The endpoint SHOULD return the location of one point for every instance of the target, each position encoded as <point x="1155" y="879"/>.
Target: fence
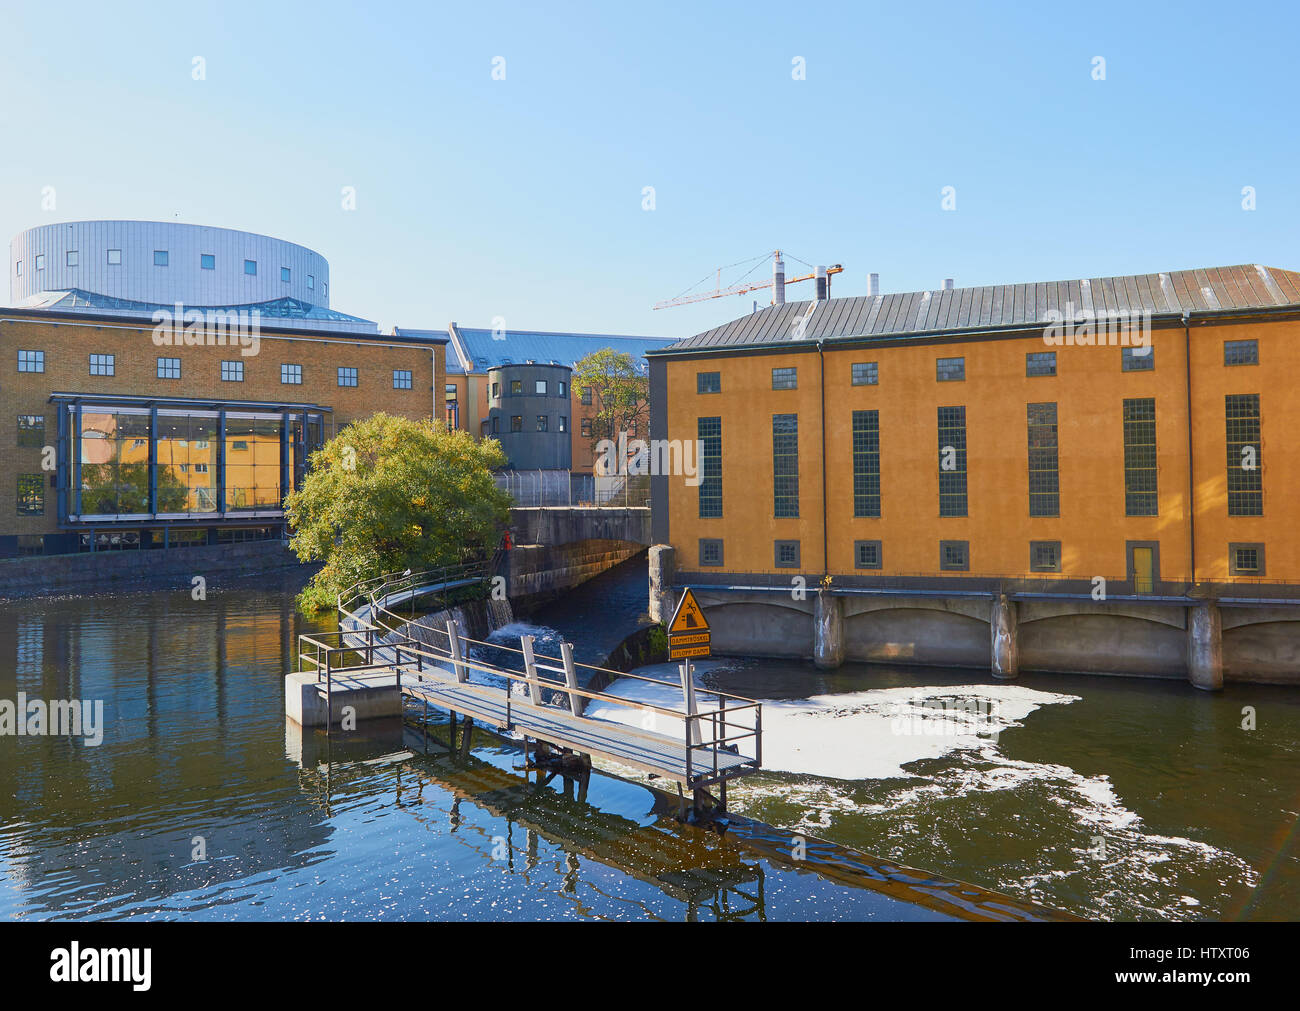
<point x="532" y="488"/>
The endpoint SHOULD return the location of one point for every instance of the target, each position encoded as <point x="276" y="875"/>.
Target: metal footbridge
<point x="700" y="743"/>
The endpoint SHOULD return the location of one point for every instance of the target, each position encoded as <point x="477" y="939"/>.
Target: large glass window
<point x="866" y="463"/>
<point x="1044" y="465"/>
<point x="952" y="461"/>
<point x="114" y="463"/>
<point x="252" y="462"/>
<point x="31" y="430"/>
<point x="709" y="432"/>
<point x="187" y="462"/>
<point x="31" y="494"/>
<point x="1140" y="489"/>
<point x="1245" y="478"/>
<point x="785" y="464"/>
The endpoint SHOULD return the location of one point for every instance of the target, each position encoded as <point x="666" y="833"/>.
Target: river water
<point x="1105" y="797"/>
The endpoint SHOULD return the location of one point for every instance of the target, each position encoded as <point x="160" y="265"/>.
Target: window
<point x="950" y="370"/>
<point x="1138" y="359"/>
<point x="31" y="495"/>
<point x="543" y="421"/>
<point x="347" y="376"/>
<point x="1044" y="556"/>
<point x="496" y="426"/>
<point x="865" y="374"/>
<point x="952" y="461"/>
<point x="710" y="551"/>
<point x="866" y="463"/>
<point x="787" y="554"/>
<point x="31" y="430"/>
<point x="586" y="396"/>
<point x="290" y="374"/>
<point x="866" y="555"/>
<point x="311" y="282"/>
<point x="72" y="258"/>
<point x="1140" y="498"/>
<point x="954" y="556"/>
<point x="1245" y="478"/>
<point x="207" y="261"/>
<point x="115" y="257"/>
<point x="563" y="389"/>
<point x="232" y="372"/>
<point x="564" y="423"/>
<point x="586" y="426"/>
<point x="40" y="261"/>
<point x="785" y="379"/>
<point x="516" y="387"/>
<point x="401" y="379"/>
<point x="516" y="423"/>
<point x="102" y="365"/>
<point x="709" y="432"/>
<point x="250" y="267"/>
<point x="708" y="382"/>
<point x="1246" y="560"/>
<point x="19" y="268"/>
<point x="1241" y="352"/>
<point x="1044" y="472"/>
<point x="1040" y="363"/>
<point x="31" y="361"/>
<point x="160" y="257"/>
<point x="286" y="275"/>
<point x="539" y="387"/>
<point x="496" y="391"/>
<point x="785" y="464"/>
<point x="169" y="368"/>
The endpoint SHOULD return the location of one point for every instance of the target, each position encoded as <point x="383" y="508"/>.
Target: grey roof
<point x="934" y="313"/>
<point x="477" y="350"/>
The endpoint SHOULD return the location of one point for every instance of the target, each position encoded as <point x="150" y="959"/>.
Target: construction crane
<point x="777" y="282"/>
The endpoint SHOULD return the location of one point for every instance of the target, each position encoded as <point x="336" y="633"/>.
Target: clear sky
<point x="523" y="198"/>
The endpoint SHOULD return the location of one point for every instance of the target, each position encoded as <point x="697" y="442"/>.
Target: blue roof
<point x="485" y="349"/>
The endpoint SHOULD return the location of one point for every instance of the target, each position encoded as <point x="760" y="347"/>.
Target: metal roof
<point x="938" y="312"/>
<point x="477" y="350"/>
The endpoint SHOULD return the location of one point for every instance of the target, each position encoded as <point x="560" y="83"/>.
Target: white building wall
<point x="182" y="280"/>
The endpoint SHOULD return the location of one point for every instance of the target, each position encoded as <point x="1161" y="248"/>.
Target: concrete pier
<point x="1004" y="636"/>
<point x="828" y="631"/>
<point x="1205" y="647"/>
<point x="663" y="567"/>
<point x="366" y="696"/>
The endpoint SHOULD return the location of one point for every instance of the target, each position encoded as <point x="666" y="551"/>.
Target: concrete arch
<point x="1262" y="652"/>
<point x="784" y="630"/>
<point x="919" y="633"/>
<point x="1095" y="642"/>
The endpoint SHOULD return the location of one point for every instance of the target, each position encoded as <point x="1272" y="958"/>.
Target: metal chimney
<point x="873" y="284"/>
<point x="823" y="287"/>
<point x="778" y="279"/>
<point x="947" y="284"/>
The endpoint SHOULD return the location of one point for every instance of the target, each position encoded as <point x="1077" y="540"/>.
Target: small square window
<point x="711" y="551"/>
<point x="866" y="554"/>
<point x="1246" y="560"/>
<point x="543" y="422"/>
<point x="290" y="374"/>
<point x="347" y="376"/>
<point x="950" y="370"/>
<point x="516" y="387"/>
<point x="250" y="267"/>
<point x="516" y="423"/>
<point x="31" y="361"/>
<point x="1241" y="352"/>
<point x="708" y="382"/>
<point x="115" y="257"/>
<point x="401" y="379"/>
<point x="311" y="282"/>
<point x="286" y="275"/>
<point x="865" y="374"/>
<point x="232" y="372"/>
<point x="72" y="258"/>
<point x="31" y="495"/>
<point x="169" y="368"/>
<point x="40" y="261"/>
<point x="1138" y="359"/>
<point x="954" y="556"/>
<point x="1040" y="363"/>
<point x="540" y="388"/>
<point x="102" y="365"/>
<point x="564" y="423"/>
<point x="1044" y="556"/>
<point x="785" y="379"/>
<point x="31" y="430"/>
<point x="787" y="554"/>
<point x="160" y="257"/>
<point x="207" y="261"/>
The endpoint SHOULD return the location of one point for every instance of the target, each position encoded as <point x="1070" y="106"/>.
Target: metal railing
<point x="540" y="488"/>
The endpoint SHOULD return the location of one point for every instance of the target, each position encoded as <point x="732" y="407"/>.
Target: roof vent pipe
<point x="823" y="285"/>
<point x="947" y="284"/>
<point x="778" y="279"/>
<point x="873" y="284"/>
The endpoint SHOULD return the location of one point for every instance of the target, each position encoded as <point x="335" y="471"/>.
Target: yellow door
<point x="1144" y="570"/>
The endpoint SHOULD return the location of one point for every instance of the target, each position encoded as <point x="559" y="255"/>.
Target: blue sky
<point x="522" y="198"/>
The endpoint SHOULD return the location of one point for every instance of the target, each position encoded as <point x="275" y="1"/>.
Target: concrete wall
<point x="541" y="572"/>
<point x="569" y="524"/>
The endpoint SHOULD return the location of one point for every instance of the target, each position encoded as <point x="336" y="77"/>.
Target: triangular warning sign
<point x="689" y="616"/>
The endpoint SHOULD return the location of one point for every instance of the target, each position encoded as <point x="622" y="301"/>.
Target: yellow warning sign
<point x="683" y="652"/>
<point x="688" y="638"/>
<point x="689" y="616"/>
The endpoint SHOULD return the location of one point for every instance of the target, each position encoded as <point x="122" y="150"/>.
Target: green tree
<point x="621" y="394"/>
<point x="387" y="494"/>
